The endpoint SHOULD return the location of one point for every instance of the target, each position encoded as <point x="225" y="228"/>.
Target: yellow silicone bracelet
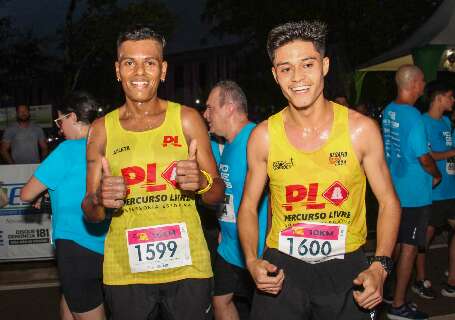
<point x="209" y="182"/>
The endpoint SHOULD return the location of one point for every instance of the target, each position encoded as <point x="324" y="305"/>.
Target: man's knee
<point x="223" y="301"/>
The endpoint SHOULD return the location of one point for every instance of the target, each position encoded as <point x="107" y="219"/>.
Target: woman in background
<point x="79" y="245"/>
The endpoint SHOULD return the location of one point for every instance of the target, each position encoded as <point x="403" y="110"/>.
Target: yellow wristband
<point x="209" y="182"/>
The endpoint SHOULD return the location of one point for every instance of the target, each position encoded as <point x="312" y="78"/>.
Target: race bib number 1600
<point x="314" y="242"/>
<point x="159" y="247"/>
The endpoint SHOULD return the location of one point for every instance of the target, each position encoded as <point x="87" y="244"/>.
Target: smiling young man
<point x="315" y="154"/>
<point x="146" y="160"/>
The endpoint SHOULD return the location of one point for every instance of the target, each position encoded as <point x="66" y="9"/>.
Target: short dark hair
<point x="22" y="105"/>
<point x="83" y="105"/>
<point x="435" y="88"/>
<point x="314" y="31"/>
<point x="230" y="90"/>
<point x="140" y="32"/>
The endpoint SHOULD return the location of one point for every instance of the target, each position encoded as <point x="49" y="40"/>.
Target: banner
<point x="40" y="115"/>
<point x="25" y="232"/>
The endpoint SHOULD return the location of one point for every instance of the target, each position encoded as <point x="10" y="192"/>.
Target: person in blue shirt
<point x="79" y="245"/>
<point x="227" y="117"/>
<point x="439" y="131"/>
<point x="414" y="172"/>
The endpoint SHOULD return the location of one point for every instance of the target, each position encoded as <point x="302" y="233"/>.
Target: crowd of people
<point x="289" y="194"/>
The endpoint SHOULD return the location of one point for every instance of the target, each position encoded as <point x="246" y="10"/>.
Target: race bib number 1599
<point x="159" y="247"/>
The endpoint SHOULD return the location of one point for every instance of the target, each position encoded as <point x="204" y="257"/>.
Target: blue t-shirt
<point x="63" y="173"/>
<point x="405" y="140"/>
<point x="439" y="132"/>
<point x="233" y="168"/>
<point x="217" y="148"/>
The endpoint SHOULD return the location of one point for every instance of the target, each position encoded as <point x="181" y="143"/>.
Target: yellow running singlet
<point x="318" y="197"/>
<point x="157" y="235"/>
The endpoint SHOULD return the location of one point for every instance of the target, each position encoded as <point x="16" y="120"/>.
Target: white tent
<point x="439" y="29"/>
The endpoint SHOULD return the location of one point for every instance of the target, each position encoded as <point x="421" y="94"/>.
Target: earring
<point x="162" y="80"/>
<point x="118" y="79"/>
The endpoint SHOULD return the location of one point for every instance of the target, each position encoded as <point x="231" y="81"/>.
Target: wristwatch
<point x="386" y="262"/>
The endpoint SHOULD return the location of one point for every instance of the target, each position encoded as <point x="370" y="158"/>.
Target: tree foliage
<point x="90" y="34"/>
<point x="358" y="31"/>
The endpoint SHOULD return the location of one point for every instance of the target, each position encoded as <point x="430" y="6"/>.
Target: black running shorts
<point x="312" y="291"/>
<point x="187" y="299"/>
<point x="413" y="226"/>
<point x="80" y="272"/>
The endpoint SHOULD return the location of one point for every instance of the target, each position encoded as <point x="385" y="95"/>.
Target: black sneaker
<point x="387" y="298"/>
<point x="448" y="291"/>
<point x="406" y="312"/>
<point x="423" y="289"/>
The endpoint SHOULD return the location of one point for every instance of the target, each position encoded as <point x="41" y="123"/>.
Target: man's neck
<point x="235" y="126"/>
<point x="23" y="124"/>
<point x="435" y="112"/>
<point x="311" y="116"/>
<point x="142" y="109"/>
<point x="405" y="97"/>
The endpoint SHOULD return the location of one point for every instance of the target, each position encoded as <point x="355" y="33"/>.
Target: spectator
<point x="21" y="140"/>
<point x="411" y="165"/>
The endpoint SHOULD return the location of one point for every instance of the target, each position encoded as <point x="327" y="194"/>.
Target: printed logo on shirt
<point x="300" y="196"/>
<point x="338" y="158"/>
<point x="121" y="149"/>
<point x="171" y="140"/>
<point x="283" y="164"/>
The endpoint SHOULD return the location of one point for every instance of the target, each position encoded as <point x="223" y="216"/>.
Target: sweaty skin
<point x="299" y="70"/>
<point x="140" y="68"/>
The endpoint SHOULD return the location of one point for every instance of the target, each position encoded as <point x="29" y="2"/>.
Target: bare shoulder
<point x="188" y="112"/>
<point x="361" y="124"/>
<point x="261" y="129"/>
<point x="258" y="143"/>
<point x="365" y="133"/>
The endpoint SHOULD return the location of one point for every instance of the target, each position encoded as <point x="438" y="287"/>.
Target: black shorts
<point x="184" y="299"/>
<point x="232" y="279"/>
<point x="413" y="226"/>
<point x="441" y="211"/>
<point x="312" y="291"/>
<point x="80" y="271"/>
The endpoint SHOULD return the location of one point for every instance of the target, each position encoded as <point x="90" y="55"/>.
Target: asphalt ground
<point x="30" y="290"/>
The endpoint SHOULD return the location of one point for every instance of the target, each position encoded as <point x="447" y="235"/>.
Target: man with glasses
<point x="23" y="141"/>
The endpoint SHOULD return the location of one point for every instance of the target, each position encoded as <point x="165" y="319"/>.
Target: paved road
<point x="30" y="291"/>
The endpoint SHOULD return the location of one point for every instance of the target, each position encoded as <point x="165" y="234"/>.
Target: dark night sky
<point x="41" y="16"/>
<point x="44" y="17"/>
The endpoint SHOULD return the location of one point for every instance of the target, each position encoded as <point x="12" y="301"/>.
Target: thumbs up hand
<point x="113" y="189"/>
<point x="188" y="175"/>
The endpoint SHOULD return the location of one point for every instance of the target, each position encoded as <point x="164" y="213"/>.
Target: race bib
<point x="314" y="242"/>
<point x="228" y="214"/>
<point x="450" y="166"/>
<point x="159" y="247"/>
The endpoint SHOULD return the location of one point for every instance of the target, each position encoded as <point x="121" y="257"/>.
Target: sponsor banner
<point x="40" y="115"/>
<point x="25" y="233"/>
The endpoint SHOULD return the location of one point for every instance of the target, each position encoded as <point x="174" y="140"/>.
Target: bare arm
<point x="5" y="149"/>
<point x="96" y="145"/>
<point x="443" y="155"/>
<point x="247" y="221"/>
<point x="369" y="148"/>
<point x="32" y="189"/>
<point x="188" y="175"/>
<point x="429" y="165"/>
<point x="44" y="148"/>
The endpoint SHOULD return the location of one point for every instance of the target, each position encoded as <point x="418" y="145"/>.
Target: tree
<point x="89" y="37"/>
<point x="358" y="31"/>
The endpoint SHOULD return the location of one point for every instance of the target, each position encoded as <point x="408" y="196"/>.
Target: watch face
<point x="386" y="262"/>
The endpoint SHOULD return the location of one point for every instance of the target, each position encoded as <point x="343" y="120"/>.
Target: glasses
<point x="58" y="121"/>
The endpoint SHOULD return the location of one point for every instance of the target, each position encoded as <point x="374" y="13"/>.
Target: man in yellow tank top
<point x="146" y="161"/>
<point x="315" y="154"/>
